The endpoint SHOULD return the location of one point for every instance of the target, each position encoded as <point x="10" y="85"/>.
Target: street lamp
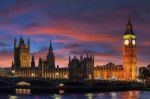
<point x="66" y="76"/>
<point x="56" y="74"/>
<point x="13" y="72"/>
<point x="32" y="75"/>
<point x="90" y="76"/>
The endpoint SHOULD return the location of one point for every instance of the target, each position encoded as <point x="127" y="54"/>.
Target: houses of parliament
<point x="22" y="67"/>
<point x="78" y="68"/>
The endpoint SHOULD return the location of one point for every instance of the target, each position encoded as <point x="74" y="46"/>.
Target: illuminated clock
<point x="133" y="42"/>
<point x="126" y="42"/>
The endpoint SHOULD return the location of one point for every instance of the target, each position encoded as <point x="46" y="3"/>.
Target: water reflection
<point x="114" y="95"/>
<point x="23" y="91"/>
<point x="130" y="95"/>
<point x="89" y="95"/>
<point x="13" y="97"/>
<point x="57" y="96"/>
<point x="107" y="95"/>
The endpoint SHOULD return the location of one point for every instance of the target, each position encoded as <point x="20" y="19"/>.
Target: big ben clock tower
<point x="129" y="53"/>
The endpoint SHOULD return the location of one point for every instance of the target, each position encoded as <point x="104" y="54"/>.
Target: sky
<point x="75" y="27"/>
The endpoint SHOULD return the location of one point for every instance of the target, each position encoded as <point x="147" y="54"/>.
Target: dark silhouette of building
<point x="21" y="54"/>
<point x="50" y="62"/>
<point x="81" y="68"/>
<point x="32" y="62"/>
<point x="144" y="72"/>
<point x="46" y="68"/>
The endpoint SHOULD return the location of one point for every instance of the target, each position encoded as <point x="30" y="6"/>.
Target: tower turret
<point x="81" y="57"/>
<point x="69" y="59"/>
<point x="129" y="28"/>
<point x="15" y="43"/>
<point x="32" y="62"/>
<point x="50" y="47"/>
<point x="40" y="64"/>
<point x="29" y="42"/>
<point x="93" y="58"/>
<point x="12" y="66"/>
<point x="87" y="55"/>
<point x="21" y="42"/>
<point x="50" y="57"/>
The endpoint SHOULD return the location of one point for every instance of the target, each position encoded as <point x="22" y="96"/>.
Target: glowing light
<point x="23" y="84"/>
<point x="66" y="76"/>
<point x="57" y="74"/>
<point x="90" y="77"/>
<point x="33" y="75"/>
<point x="61" y="84"/>
<point x="23" y="91"/>
<point x="126" y="42"/>
<point x="89" y="96"/>
<point x="129" y="36"/>
<point x="113" y="94"/>
<point x="13" y="71"/>
<point x="133" y="42"/>
<point x="57" y="96"/>
<point x="13" y="97"/>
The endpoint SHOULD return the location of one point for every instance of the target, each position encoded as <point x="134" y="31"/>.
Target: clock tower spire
<point x="129" y="53"/>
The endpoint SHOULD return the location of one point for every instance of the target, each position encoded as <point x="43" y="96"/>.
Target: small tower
<point x="29" y="42"/>
<point x="81" y="57"/>
<point x="50" y="57"/>
<point x="87" y="55"/>
<point x="92" y="57"/>
<point x="21" y="42"/>
<point x="12" y="66"/>
<point x="40" y="64"/>
<point x="129" y="53"/>
<point x="50" y="47"/>
<point x="15" y="43"/>
<point x="69" y="59"/>
<point x="32" y="62"/>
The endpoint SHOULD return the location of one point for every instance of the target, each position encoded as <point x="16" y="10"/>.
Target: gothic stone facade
<point x="46" y="68"/>
<point x="109" y="71"/>
<point x="81" y="68"/>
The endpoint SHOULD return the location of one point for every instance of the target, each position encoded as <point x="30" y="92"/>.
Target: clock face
<point x="126" y="42"/>
<point x="133" y="42"/>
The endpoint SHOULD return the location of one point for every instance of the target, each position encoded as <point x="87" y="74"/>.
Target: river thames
<point x="105" y="95"/>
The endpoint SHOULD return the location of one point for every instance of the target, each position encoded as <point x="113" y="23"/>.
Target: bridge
<point x="42" y="85"/>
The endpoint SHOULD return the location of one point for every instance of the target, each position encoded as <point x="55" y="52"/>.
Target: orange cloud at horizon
<point x="70" y="30"/>
<point x="100" y="59"/>
<point x="80" y="36"/>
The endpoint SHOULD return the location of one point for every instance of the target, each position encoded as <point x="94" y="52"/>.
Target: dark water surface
<point x="106" y="95"/>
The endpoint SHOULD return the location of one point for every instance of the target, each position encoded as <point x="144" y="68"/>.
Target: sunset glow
<point x="75" y="28"/>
